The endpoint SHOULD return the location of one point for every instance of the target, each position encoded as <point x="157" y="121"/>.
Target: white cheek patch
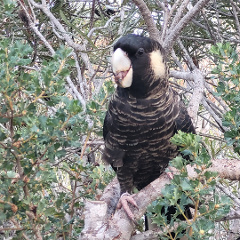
<point x="121" y="63"/>
<point x="127" y="81"/>
<point x="157" y="64"/>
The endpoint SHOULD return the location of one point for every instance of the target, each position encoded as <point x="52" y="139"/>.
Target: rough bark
<point x="100" y="223"/>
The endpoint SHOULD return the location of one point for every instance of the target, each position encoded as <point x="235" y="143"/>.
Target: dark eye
<point x="140" y="52"/>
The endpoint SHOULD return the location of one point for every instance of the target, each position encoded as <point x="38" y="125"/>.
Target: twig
<point x="173" y="35"/>
<point x="214" y="115"/>
<point x="189" y="60"/>
<point x="215" y="108"/>
<point x="82" y="83"/>
<point x="211" y="123"/>
<point x="175" y="58"/>
<point x="211" y="136"/>
<point x="80" y="98"/>
<point x="221" y="102"/>
<point x="32" y="26"/>
<point x="226" y="191"/>
<point x="197" y="39"/>
<point x="105" y="26"/>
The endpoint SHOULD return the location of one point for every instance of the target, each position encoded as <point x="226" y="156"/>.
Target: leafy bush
<point x="184" y="191"/>
<point x="228" y="71"/>
<point x="43" y="174"/>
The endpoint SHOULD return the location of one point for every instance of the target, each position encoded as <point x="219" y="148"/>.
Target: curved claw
<point x="123" y="202"/>
<point x="170" y="175"/>
<point x="172" y="172"/>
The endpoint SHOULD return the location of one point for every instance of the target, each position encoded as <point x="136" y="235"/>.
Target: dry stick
<point x="213" y="137"/>
<point x="32" y="26"/>
<point x="122" y="15"/>
<point x="221" y="102"/>
<point x="214" y="115"/>
<point x="235" y="5"/>
<point x="176" y="60"/>
<point x="197" y="39"/>
<point x="166" y="16"/>
<point x="80" y="98"/>
<point x="72" y="205"/>
<point x="103" y="27"/>
<point x="81" y="81"/>
<point x="92" y="14"/>
<point x="198" y="87"/>
<point x="218" y="24"/>
<point x="233" y="214"/>
<point x="208" y="26"/>
<point x="181" y="75"/>
<point x="68" y="39"/>
<point x="175" y="85"/>
<point x="215" y="108"/>
<point x="35" y="29"/>
<point x="170" y="13"/>
<point x="211" y="123"/>
<point x="186" y="54"/>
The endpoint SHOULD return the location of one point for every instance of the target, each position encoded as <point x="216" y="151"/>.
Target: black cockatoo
<point x="144" y="113"/>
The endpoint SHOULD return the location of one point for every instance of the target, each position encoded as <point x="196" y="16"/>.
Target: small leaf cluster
<point x="228" y="73"/>
<point x="185" y="192"/>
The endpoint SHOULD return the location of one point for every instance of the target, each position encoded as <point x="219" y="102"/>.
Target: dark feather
<point x="142" y="118"/>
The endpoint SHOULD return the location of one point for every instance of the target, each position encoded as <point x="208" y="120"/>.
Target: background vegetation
<point x="55" y="83"/>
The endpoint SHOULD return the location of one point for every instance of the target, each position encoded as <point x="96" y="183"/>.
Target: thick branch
<point x="147" y="16"/>
<point x="119" y="226"/>
<point x="198" y="88"/>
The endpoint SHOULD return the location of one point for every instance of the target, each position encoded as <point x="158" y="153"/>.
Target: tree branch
<point x="147" y="16"/>
<point x="198" y="88"/>
<point x="175" y="32"/>
<point x="119" y="226"/>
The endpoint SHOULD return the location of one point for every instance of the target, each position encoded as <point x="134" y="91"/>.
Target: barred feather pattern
<point x="137" y="143"/>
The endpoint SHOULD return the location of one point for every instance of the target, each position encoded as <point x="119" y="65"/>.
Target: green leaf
<point x="177" y="162"/>
<point x="3" y="136"/>
<point x="186" y="186"/>
<point x="4" y="120"/>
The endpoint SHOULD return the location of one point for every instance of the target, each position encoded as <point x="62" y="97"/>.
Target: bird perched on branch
<point x="144" y="113"/>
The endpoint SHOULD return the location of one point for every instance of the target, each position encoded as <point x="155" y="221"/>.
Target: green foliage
<point x="228" y="72"/>
<point x="40" y="127"/>
<point x="184" y="191"/>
